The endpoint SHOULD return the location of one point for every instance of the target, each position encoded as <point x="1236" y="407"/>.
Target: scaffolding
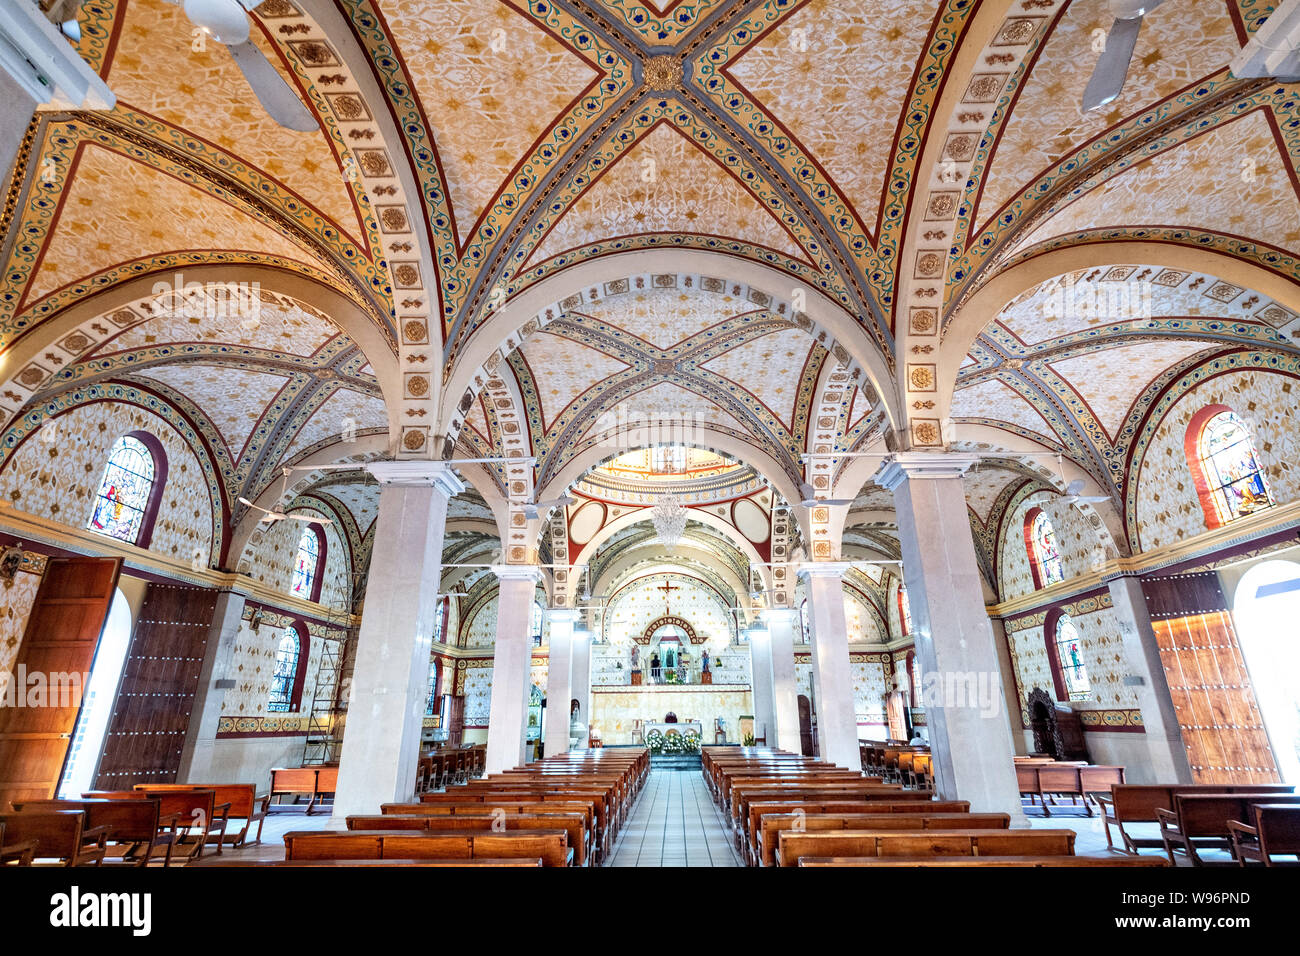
<point x="329" y="702"/>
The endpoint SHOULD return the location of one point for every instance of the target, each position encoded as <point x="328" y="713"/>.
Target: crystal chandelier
<point x="669" y="519"/>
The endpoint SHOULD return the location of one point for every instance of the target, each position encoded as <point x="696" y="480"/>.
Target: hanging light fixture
<point x="669" y="518"/>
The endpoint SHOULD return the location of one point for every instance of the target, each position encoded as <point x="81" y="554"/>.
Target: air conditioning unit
<point x="42" y="61"/>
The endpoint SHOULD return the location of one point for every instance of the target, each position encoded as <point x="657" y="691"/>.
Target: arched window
<point x="126" y="503"/>
<point x="914" y="679"/>
<point x="287" y="678"/>
<point x="1065" y="654"/>
<point x="805" y="632"/>
<point x="1044" y="553"/>
<point x="904" y="610"/>
<point x="431" y="705"/>
<point x="309" y="564"/>
<point x="1225" y="466"/>
<point x="537" y="624"/>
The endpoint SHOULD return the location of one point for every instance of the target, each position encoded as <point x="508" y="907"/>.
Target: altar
<point x="681" y="727"/>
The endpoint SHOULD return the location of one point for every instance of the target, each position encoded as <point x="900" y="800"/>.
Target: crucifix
<point x="668" y="589"/>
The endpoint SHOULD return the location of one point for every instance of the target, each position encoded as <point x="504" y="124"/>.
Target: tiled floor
<point x="674" y="823"/>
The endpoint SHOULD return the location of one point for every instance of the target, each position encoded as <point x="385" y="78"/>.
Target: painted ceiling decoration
<point x="774" y="231"/>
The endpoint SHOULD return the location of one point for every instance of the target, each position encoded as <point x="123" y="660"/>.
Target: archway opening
<point x="1266" y="606"/>
<point x="97" y="701"/>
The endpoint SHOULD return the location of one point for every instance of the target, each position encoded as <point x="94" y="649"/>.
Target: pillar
<point x="508" y="719"/>
<point x="390" y="680"/>
<point x="1163" y="735"/>
<point x="965" y="707"/>
<point x="559" y="679"/>
<point x="215" y="678"/>
<point x="837" y="721"/>
<point x="760" y="667"/>
<point x="581" y="677"/>
<point x="781" y="624"/>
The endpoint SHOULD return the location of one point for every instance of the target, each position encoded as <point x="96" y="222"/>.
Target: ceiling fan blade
<point x="245" y="501"/>
<point x="309" y="520"/>
<point x="831" y="502"/>
<point x="1112" y="66"/>
<point x="275" y="95"/>
<point x="1074" y="487"/>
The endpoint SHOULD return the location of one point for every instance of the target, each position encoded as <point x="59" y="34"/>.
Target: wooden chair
<point x="57" y="835"/>
<point x="1274" y="831"/>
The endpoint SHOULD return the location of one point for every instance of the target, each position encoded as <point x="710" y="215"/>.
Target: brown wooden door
<point x="455" y="721"/>
<point x="151" y="714"/>
<point x="60" y="641"/>
<point x="806" y="744"/>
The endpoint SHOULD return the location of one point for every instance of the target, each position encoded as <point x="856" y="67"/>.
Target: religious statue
<point x="577" y="729"/>
<point x="704" y="662"/>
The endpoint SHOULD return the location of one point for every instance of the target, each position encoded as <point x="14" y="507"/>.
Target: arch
<point x="136" y="458"/>
<point x="290" y="672"/>
<point x="1213" y="487"/>
<point x="972" y="314"/>
<point x="1042" y="548"/>
<point x="1065" y="685"/>
<point x="532" y="307"/>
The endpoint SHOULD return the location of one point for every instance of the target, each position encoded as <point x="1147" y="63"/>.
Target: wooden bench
<point x="549" y="845"/>
<point x="1274" y="830"/>
<point x="16" y="854"/>
<point x="316" y="782"/>
<point x="237" y="861"/>
<point x="195" y="810"/>
<point x="886" y="792"/>
<point x="912" y="862"/>
<point x="135" y="830"/>
<point x="59" y="835"/>
<point x="1051" y="780"/>
<point x="242" y="800"/>
<point x="792" y="844"/>
<point x="772" y="824"/>
<point x="759" y="809"/>
<point x="571" y="823"/>
<point x="1131" y="803"/>
<point x="1199" y="821"/>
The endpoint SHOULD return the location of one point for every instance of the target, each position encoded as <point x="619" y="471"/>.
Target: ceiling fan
<point x="226" y="21"/>
<point x="810" y="499"/>
<point x="535" y="509"/>
<point x="1073" y="490"/>
<point x="271" y="517"/>
<point x="1112" y="67"/>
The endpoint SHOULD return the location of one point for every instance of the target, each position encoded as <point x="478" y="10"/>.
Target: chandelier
<point x="669" y="519"/>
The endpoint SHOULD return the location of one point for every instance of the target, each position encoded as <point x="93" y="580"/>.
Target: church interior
<point x="649" y="433"/>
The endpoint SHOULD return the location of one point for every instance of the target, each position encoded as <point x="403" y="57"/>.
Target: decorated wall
<point x="632" y="609"/>
<point x="1080" y="544"/>
<point x="272" y="552"/>
<point x="58" y="478"/>
<point x="1167" y="507"/>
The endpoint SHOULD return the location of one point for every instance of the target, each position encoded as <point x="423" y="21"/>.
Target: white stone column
<point x="559" y="679"/>
<point x="837" y="721"/>
<point x="390" y="682"/>
<point x="1163" y="735"/>
<point x="965" y="707"/>
<point x="508" y="718"/>
<point x="781" y="623"/>
<point x="760" y="666"/>
<point x="581" y="677"/>
<point x="215" y="678"/>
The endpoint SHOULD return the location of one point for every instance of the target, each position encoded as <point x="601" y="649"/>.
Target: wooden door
<point x="806" y="744"/>
<point x="151" y="714"/>
<point x="58" y="649"/>
<point x="455" y="721"/>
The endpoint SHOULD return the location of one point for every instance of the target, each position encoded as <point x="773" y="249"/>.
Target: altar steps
<point x="676" y="762"/>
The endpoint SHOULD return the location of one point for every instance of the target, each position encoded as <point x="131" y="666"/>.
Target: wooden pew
<point x="238" y="861"/>
<point x="744" y="797"/>
<point x="571" y="823"/>
<point x="912" y="862"/>
<point x="585" y="811"/>
<point x="1060" y="779"/>
<point x="15" y="854"/>
<point x="550" y="845"/>
<point x="243" y="801"/>
<point x="1138" y="802"/>
<point x="194" y="810"/>
<point x="135" y="829"/>
<point x="57" y="835"/>
<point x="792" y="844"/>
<point x="772" y="824"/>
<point x="316" y="782"/>
<point x="862" y="804"/>
<point x="1199" y="821"/>
<point x="1274" y="830"/>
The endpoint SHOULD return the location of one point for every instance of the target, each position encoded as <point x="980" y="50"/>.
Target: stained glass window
<point x="1044" y="551"/>
<point x="1069" y="654"/>
<point x="431" y="706"/>
<point x="904" y="610"/>
<point x="304" y="567"/>
<point x="123" y="496"/>
<point x="285" y="674"/>
<point x="1231" y="467"/>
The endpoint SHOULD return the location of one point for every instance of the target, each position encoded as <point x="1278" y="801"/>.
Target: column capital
<point x="824" y="569"/>
<point x="906" y="465"/>
<point x="417" y="474"/>
<point x="562" y="615"/>
<point x="517" y="572"/>
<point x="779" y="615"/>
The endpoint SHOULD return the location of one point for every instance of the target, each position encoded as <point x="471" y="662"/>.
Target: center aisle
<point x="674" y="823"/>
